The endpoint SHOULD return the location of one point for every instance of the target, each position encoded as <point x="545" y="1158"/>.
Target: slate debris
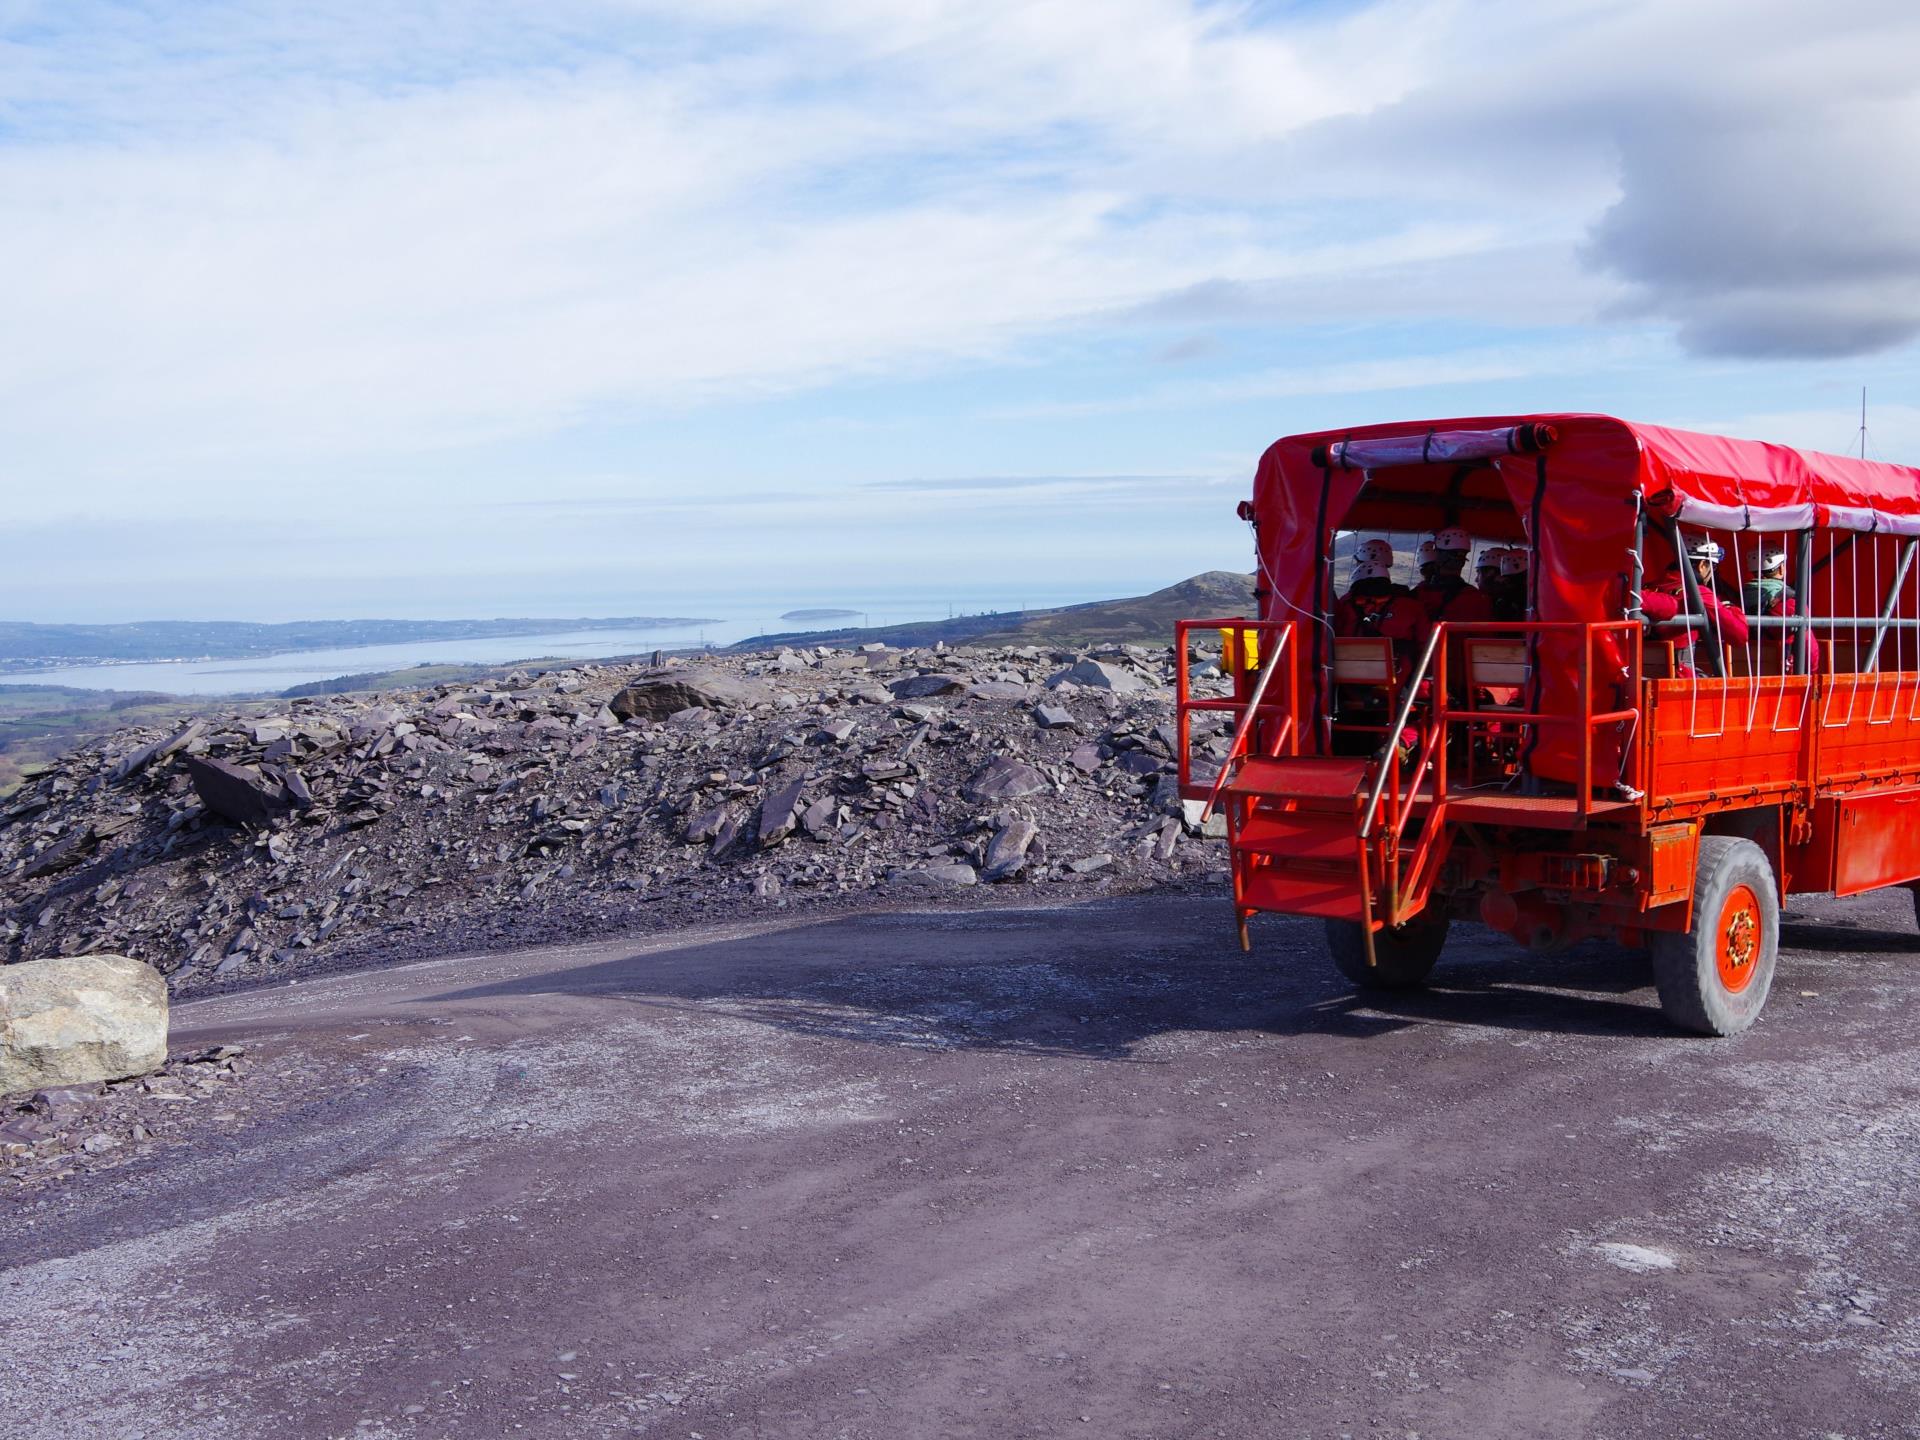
<point x="52" y="1134"/>
<point x="549" y="805"/>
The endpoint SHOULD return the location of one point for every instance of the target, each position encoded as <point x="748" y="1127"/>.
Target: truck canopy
<point x="1573" y="488"/>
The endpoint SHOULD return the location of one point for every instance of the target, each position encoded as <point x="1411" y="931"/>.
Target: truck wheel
<point x="1714" y="979"/>
<point x="1403" y="956"/>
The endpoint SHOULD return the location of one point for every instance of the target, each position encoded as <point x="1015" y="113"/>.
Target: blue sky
<point x="620" y="305"/>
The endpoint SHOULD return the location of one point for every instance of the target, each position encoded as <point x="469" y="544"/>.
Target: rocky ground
<point x="1077" y="1169"/>
<point x="343" y="829"/>
<point x="61" y="1134"/>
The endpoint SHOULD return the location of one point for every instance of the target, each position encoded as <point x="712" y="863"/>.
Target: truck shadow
<point x="1117" y="980"/>
<point x="1845" y="938"/>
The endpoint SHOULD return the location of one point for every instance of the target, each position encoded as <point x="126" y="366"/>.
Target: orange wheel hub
<point x="1736" y="939"/>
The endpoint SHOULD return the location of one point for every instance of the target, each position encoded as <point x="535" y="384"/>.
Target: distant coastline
<point x="820" y="614"/>
<point x="27" y="647"/>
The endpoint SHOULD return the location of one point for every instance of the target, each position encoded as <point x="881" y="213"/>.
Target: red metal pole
<point x="1586" y="721"/>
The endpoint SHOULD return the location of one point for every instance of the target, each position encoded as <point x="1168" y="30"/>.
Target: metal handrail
<point x="1246" y="721"/>
<point x="1393" y="731"/>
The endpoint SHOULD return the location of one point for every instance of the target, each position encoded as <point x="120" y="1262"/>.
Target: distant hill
<point x="26" y="646"/>
<point x="1140" y="620"/>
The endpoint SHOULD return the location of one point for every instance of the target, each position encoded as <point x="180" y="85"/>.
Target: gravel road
<point x="1081" y="1171"/>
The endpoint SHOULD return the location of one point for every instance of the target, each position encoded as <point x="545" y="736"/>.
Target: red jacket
<point x="1726" y="624"/>
<point x="1459" y="603"/>
<point x="1400" y="620"/>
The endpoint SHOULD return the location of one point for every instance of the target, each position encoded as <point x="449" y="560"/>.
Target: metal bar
<point x="1690" y="586"/>
<point x="1637" y="561"/>
<point x="1838" y="622"/>
<point x="1586" y="726"/>
<point x="1485" y="717"/>
<point x="1886" y="610"/>
<point x="1399" y="724"/>
<point x="1366" y="900"/>
<point x="1182" y="701"/>
<point x="1247" y="720"/>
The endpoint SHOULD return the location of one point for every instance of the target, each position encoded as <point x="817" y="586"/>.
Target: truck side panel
<point x="1860" y="842"/>
<point x="1714" y="740"/>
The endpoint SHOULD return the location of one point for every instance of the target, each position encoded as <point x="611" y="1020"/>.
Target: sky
<point x="468" y="307"/>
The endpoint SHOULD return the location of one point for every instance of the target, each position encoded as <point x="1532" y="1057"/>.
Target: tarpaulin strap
<point x="1536" y="540"/>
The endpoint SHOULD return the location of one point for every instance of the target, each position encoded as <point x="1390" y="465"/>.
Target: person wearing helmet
<point x="1667" y="601"/>
<point x="1373" y="552"/>
<point x="1373" y="608"/>
<point x="1486" y="569"/>
<point x="1769" y="588"/>
<point x="1769" y="595"/>
<point x="1510" y="591"/>
<point x="1445" y="593"/>
<point x="1424" y="559"/>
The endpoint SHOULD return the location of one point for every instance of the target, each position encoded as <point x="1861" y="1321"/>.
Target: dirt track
<point x="1072" y="1172"/>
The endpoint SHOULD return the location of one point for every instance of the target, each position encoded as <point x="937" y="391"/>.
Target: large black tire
<point x="1403" y="957"/>
<point x="1714" y="979"/>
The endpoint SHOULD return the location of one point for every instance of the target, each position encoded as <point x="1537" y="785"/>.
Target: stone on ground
<point x="1096" y="675"/>
<point x="78" y="1020"/>
<point x="239" y="793"/>
<point x="658" y="697"/>
<point x="1007" y="851"/>
<point x="1004" y="779"/>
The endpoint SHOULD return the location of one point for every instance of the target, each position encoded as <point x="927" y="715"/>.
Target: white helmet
<point x="1773" y="562"/>
<point x="1369" y="570"/>
<point x="1452" y="538"/>
<point x="1514" y="561"/>
<point x="1425" y="553"/>
<point x="1704" y="549"/>
<point x="1490" y="558"/>
<point x="1373" y="552"/>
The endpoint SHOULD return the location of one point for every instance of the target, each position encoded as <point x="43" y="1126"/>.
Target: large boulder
<point x="657" y="697"/>
<point x="1004" y="779"/>
<point x="159" y="750"/>
<point x="1007" y="852"/>
<point x="780" y="812"/>
<point x="79" y="1020"/>
<point x="1096" y="675"/>
<point x="239" y="793"/>
<point x="925" y="687"/>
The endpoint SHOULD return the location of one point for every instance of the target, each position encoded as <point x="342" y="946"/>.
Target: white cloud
<point x="245" y="239"/>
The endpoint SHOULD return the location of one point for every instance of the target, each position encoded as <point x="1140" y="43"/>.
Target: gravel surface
<point x="1082" y="1170"/>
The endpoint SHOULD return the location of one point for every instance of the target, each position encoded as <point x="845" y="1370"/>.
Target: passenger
<point x="1447" y="595"/>
<point x="1376" y="607"/>
<point x="1373" y="608"/>
<point x="1373" y="552"/>
<point x="1486" y="570"/>
<point x="1769" y="595"/>
<point x="1667" y="601"/>
<point x="1424" y="558"/>
<point x="1510" y="595"/>
<point x="1767" y="591"/>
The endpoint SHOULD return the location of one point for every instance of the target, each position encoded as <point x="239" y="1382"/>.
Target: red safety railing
<point x="1266" y="725"/>
<point x="1401" y="788"/>
<point x="1471" y="714"/>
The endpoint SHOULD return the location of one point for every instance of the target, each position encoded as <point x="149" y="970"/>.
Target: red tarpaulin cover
<point x="1574" y="503"/>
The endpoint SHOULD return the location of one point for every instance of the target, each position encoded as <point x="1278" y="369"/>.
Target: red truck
<point x="1711" y="699"/>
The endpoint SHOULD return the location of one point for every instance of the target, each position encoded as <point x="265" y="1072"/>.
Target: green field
<point x="39" y="723"/>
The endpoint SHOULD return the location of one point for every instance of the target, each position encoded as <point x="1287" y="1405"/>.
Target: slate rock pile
<point x="53" y="1133"/>
<point x="583" y="801"/>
